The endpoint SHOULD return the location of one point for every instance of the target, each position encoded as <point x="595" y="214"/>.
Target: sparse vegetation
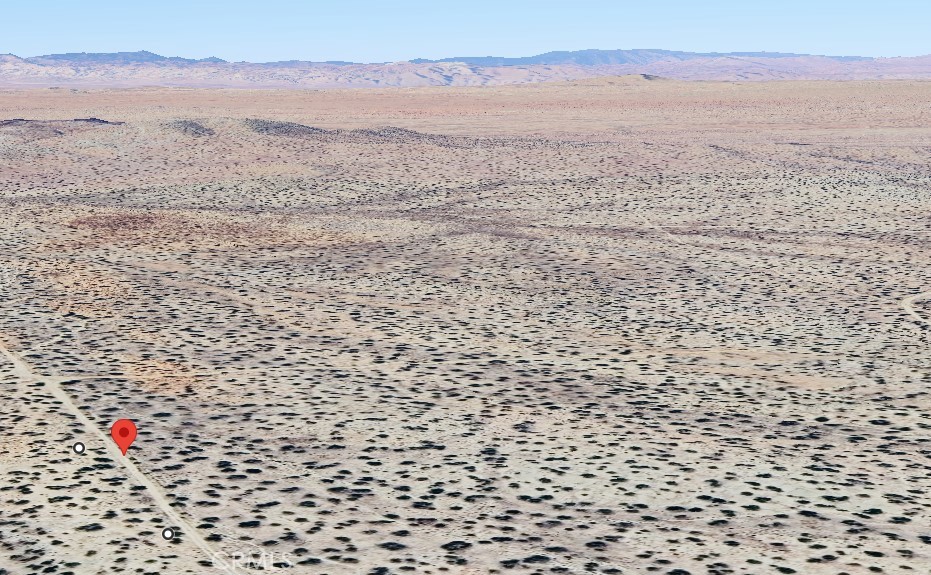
<point x="619" y="326"/>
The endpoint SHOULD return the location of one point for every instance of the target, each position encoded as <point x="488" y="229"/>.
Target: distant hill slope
<point x="143" y="68"/>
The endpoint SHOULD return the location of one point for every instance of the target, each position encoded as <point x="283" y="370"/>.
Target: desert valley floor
<point x="625" y="325"/>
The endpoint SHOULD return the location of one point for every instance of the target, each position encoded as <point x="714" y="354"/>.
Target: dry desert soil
<point x="622" y="326"/>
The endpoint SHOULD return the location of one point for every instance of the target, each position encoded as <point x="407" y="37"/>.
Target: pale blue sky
<point x="376" y="31"/>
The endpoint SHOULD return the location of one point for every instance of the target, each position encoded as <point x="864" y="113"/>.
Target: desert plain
<point x="623" y="325"/>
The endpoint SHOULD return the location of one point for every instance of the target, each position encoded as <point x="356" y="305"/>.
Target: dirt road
<point x="908" y="304"/>
<point x="173" y="519"/>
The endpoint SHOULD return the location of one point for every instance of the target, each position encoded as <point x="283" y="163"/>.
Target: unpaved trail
<point x="24" y="371"/>
<point x="908" y="304"/>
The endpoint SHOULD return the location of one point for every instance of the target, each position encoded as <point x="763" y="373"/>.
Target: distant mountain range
<point x="143" y="68"/>
<point x="140" y="57"/>
<point x="579" y="57"/>
<point x="611" y="57"/>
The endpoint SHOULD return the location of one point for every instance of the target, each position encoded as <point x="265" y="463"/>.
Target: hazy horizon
<point x="368" y="32"/>
<point x="448" y="57"/>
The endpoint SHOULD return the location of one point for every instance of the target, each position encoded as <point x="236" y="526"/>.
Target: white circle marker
<point x="168" y="534"/>
<point x="78" y="448"/>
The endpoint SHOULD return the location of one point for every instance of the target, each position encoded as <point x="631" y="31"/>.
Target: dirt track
<point x="909" y="305"/>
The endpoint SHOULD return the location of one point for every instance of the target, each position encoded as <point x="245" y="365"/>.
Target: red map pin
<point x="123" y="433"/>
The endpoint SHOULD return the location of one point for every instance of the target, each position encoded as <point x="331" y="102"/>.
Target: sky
<point x="388" y="31"/>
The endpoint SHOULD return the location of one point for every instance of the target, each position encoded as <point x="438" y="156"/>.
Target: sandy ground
<point x="610" y="326"/>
